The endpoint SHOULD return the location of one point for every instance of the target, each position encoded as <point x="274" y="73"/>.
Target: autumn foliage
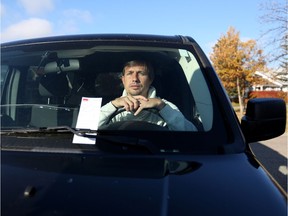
<point x="235" y="62"/>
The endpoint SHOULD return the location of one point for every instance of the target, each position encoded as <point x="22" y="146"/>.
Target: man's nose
<point x="135" y="77"/>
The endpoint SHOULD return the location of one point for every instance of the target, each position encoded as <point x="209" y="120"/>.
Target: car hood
<point x="77" y="184"/>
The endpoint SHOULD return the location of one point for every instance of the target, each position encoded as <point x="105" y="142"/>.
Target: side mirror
<point x="265" y="118"/>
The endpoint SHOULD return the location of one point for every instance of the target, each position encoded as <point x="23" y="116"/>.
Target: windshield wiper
<point x="15" y="131"/>
<point x="81" y="132"/>
<point x="107" y="140"/>
<point x="127" y="143"/>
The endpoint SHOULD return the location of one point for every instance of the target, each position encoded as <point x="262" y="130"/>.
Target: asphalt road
<point x="273" y="156"/>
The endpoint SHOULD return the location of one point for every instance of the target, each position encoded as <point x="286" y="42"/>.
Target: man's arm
<point x="175" y="119"/>
<point x="170" y="113"/>
<point x="128" y="102"/>
<point x="106" y="111"/>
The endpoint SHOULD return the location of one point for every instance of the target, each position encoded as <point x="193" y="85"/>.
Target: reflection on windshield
<point x="41" y="115"/>
<point x="45" y="88"/>
<point x="3" y="74"/>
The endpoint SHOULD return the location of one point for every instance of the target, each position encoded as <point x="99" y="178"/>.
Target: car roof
<point x="176" y="39"/>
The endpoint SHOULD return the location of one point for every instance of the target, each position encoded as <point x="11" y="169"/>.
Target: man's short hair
<point x="144" y="63"/>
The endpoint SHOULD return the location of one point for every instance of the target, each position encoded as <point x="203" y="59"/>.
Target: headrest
<point x="64" y="64"/>
<point x="54" y="84"/>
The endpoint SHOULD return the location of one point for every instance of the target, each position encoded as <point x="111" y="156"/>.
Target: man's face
<point x="136" y="80"/>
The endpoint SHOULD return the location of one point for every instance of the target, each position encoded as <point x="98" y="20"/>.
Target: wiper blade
<point x="79" y="132"/>
<point x="108" y="140"/>
<point x="122" y="144"/>
<point x="48" y="129"/>
<point x="127" y="143"/>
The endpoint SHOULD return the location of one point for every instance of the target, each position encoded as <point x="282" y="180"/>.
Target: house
<point x="273" y="81"/>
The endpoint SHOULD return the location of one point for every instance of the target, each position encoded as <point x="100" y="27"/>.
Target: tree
<point x="236" y="62"/>
<point x="276" y="24"/>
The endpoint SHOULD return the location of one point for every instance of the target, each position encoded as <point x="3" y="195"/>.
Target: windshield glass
<point x="161" y="86"/>
<point x="159" y="89"/>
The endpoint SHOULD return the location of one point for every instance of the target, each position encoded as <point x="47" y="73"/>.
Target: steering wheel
<point x="135" y="124"/>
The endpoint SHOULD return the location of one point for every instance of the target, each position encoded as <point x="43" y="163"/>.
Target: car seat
<point x="53" y="88"/>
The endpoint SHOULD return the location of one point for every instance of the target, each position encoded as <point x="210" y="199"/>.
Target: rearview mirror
<point x="62" y="65"/>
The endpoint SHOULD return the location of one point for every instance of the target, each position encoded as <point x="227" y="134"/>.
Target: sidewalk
<point x="273" y="156"/>
<point x="278" y="144"/>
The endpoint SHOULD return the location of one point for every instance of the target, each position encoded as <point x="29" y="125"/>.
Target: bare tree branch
<point x="275" y="22"/>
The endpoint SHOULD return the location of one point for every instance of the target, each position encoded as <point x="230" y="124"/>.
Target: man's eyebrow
<point x="138" y="71"/>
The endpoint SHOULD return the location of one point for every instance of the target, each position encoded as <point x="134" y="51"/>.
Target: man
<point x="138" y="95"/>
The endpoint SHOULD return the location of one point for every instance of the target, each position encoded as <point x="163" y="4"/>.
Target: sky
<point x="204" y="20"/>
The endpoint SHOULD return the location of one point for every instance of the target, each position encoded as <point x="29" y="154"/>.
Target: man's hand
<point x="137" y="103"/>
<point x="150" y="103"/>
<point x="130" y="103"/>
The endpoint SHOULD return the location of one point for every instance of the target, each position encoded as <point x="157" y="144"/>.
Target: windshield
<point x="139" y="88"/>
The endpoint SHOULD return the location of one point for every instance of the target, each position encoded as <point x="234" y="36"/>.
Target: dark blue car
<point x="69" y="148"/>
